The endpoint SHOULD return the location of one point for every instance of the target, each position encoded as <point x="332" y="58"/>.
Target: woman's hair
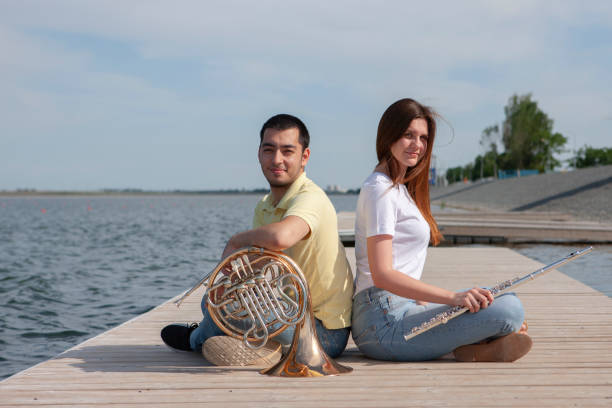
<point x="392" y="126"/>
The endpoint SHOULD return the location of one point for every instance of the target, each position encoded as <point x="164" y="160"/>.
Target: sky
<point x="165" y="95"/>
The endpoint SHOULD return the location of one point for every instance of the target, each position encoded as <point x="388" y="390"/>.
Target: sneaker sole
<point x="228" y="351"/>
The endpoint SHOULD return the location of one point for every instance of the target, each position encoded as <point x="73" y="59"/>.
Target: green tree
<point x="488" y="140"/>
<point x="588" y="156"/>
<point x="528" y="138"/>
<point x="469" y="172"/>
<point x="454" y="174"/>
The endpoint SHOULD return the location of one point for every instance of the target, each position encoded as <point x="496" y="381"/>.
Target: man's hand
<point x="229" y="249"/>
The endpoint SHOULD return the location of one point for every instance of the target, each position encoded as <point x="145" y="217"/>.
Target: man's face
<point x="282" y="157"/>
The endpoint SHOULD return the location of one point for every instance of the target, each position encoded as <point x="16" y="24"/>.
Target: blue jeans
<point x="333" y="341"/>
<point x="381" y="319"/>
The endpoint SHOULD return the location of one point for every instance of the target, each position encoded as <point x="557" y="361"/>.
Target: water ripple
<point x="52" y="335"/>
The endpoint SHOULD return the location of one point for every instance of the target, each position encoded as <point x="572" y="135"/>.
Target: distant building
<point x="503" y="174"/>
<point x="334" y="188"/>
<point x="433" y="180"/>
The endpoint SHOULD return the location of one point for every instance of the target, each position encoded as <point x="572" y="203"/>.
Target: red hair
<point x="392" y="126"/>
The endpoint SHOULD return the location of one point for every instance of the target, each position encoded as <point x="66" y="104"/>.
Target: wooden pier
<point x="570" y="363"/>
<point x="501" y="227"/>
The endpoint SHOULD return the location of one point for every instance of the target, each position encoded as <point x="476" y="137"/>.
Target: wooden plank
<point x="375" y="393"/>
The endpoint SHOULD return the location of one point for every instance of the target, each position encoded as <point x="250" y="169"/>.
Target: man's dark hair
<point x="284" y="121"/>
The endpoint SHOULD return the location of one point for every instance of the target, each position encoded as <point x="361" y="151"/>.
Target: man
<point x="295" y="217"/>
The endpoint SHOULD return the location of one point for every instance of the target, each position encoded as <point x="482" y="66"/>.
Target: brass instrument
<point x="503" y="287"/>
<point x="253" y="295"/>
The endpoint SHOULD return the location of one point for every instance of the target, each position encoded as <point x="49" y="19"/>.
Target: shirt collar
<point x="289" y="194"/>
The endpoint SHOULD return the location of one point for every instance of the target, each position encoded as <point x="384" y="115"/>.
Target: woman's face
<point x="409" y="149"/>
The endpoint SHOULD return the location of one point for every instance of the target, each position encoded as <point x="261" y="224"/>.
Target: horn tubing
<point x="193" y="289"/>
<point x="252" y="331"/>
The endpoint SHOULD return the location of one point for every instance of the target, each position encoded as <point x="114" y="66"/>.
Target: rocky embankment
<point x="586" y="194"/>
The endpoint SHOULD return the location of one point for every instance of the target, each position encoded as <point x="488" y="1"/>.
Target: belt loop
<point x="367" y="293"/>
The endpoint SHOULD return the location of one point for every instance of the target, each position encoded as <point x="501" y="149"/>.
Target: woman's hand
<point x="474" y="299"/>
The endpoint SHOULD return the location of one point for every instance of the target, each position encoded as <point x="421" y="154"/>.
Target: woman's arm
<point x="380" y="259"/>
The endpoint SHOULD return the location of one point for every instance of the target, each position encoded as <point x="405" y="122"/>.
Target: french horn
<point x="254" y="294"/>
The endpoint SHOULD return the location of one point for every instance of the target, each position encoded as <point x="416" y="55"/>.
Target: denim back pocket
<point x="388" y="306"/>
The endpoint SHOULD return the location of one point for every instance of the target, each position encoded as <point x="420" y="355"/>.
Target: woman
<point x="393" y="228"/>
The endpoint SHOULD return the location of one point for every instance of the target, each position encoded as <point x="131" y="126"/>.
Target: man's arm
<point x="276" y="236"/>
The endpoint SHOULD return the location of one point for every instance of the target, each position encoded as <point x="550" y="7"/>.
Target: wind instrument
<point x="254" y="294"/>
<point x="500" y="288"/>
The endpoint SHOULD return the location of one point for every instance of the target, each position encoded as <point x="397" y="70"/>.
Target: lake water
<point x="73" y="267"/>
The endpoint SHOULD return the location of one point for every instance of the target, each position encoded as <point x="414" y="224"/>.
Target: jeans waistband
<point x="373" y="294"/>
<point x="370" y="294"/>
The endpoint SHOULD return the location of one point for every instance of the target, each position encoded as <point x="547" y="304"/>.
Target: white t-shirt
<point x="386" y="210"/>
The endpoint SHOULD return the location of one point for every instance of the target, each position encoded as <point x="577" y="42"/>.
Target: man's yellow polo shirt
<point x="321" y="255"/>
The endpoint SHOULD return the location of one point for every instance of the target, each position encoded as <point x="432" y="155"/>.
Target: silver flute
<point x="452" y="312"/>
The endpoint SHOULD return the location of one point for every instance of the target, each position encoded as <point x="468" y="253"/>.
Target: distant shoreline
<point x="125" y="193"/>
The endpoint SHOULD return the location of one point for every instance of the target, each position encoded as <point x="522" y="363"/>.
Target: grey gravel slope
<point x="585" y="194"/>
